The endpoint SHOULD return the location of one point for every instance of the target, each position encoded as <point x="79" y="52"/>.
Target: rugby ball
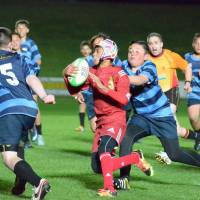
<point x="83" y="71"/>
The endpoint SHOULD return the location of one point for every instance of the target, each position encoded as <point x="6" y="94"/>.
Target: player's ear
<point x="193" y="46"/>
<point x="28" y="30"/>
<point x="162" y="44"/>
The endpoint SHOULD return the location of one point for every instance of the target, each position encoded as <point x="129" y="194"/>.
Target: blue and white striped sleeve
<point x="150" y="72"/>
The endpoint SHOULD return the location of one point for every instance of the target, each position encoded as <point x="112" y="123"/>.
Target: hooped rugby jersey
<point x="15" y="95"/>
<point x="30" y="51"/>
<point x="148" y="99"/>
<point x="195" y="62"/>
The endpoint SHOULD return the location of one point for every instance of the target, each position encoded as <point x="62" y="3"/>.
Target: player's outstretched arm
<point x="138" y="80"/>
<point x="146" y="76"/>
<point x="96" y="82"/>
<point x="36" y="85"/>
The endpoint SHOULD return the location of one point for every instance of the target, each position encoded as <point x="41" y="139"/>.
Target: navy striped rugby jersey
<point x="30" y="51"/>
<point x="148" y="99"/>
<point x="15" y="94"/>
<point x="195" y="62"/>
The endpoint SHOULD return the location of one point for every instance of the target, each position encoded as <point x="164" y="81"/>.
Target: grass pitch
<point x="65" y="162"/>
<point x="58" y="28"/>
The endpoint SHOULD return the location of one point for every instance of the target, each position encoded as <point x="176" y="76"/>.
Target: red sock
<point x="123" y="161"/>
<point x="107" y="167"/>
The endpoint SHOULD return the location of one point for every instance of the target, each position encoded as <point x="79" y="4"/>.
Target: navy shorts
<point x="173" y="95"/>
<point x="163" y="127"/>
<point x="89" y="104"/>
<point x="12" y="128"/>
<point x="191" y="102"/>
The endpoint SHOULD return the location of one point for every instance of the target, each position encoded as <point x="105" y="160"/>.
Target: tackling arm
<point x="38" y="88"/>
<point x="138" y="80"/>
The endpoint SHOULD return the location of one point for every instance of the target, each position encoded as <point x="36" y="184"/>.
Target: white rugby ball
<point x="82" y="75"/>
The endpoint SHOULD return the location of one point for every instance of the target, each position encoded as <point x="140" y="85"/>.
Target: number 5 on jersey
<point x="5" y="69"/>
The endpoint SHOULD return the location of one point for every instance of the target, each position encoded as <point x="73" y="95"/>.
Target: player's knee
<point x="9" y="160"/>
<point x="194" y="119"/>
<point x="101" y="148"/>
<point x="6" y="159"/>
<point x="9" y="155"/>
<point x="107" y="144"/>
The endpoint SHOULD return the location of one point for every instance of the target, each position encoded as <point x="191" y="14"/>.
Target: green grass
<point x="65" y="161"/>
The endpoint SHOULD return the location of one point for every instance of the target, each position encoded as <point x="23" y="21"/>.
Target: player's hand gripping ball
<point x="82" y="74"/>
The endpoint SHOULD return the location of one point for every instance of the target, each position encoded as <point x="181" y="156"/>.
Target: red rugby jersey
<point x="108" y="105"/>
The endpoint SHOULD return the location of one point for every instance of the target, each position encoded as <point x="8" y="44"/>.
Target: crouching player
<point x="18" y="111"/>
<point x="110" y="87"/>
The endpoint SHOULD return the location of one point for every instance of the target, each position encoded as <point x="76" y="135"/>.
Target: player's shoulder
<point x="168" y="51"/>
<point x="30" y="41"/>
<point x="11" y="56"/>
<point x="188" y="55"/>
<point x="118" y="70"/>
<point x="148" y="64"/>
<point x="18" y="61"/>
<point x="171" y="53"/>
<point x="125" y="63"/>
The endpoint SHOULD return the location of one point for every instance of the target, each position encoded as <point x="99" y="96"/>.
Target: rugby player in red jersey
<point x="110" y="87"/>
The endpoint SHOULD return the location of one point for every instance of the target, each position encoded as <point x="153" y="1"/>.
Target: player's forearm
<point x="188" y="73"/>
<point x="36" y="85"/>
<point x="138" y="80"/>
<point x="119" y="96"/>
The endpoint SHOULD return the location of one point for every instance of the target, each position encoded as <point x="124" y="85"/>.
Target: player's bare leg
<point x="194" y="113"/>
<point x="180" y="130"/>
